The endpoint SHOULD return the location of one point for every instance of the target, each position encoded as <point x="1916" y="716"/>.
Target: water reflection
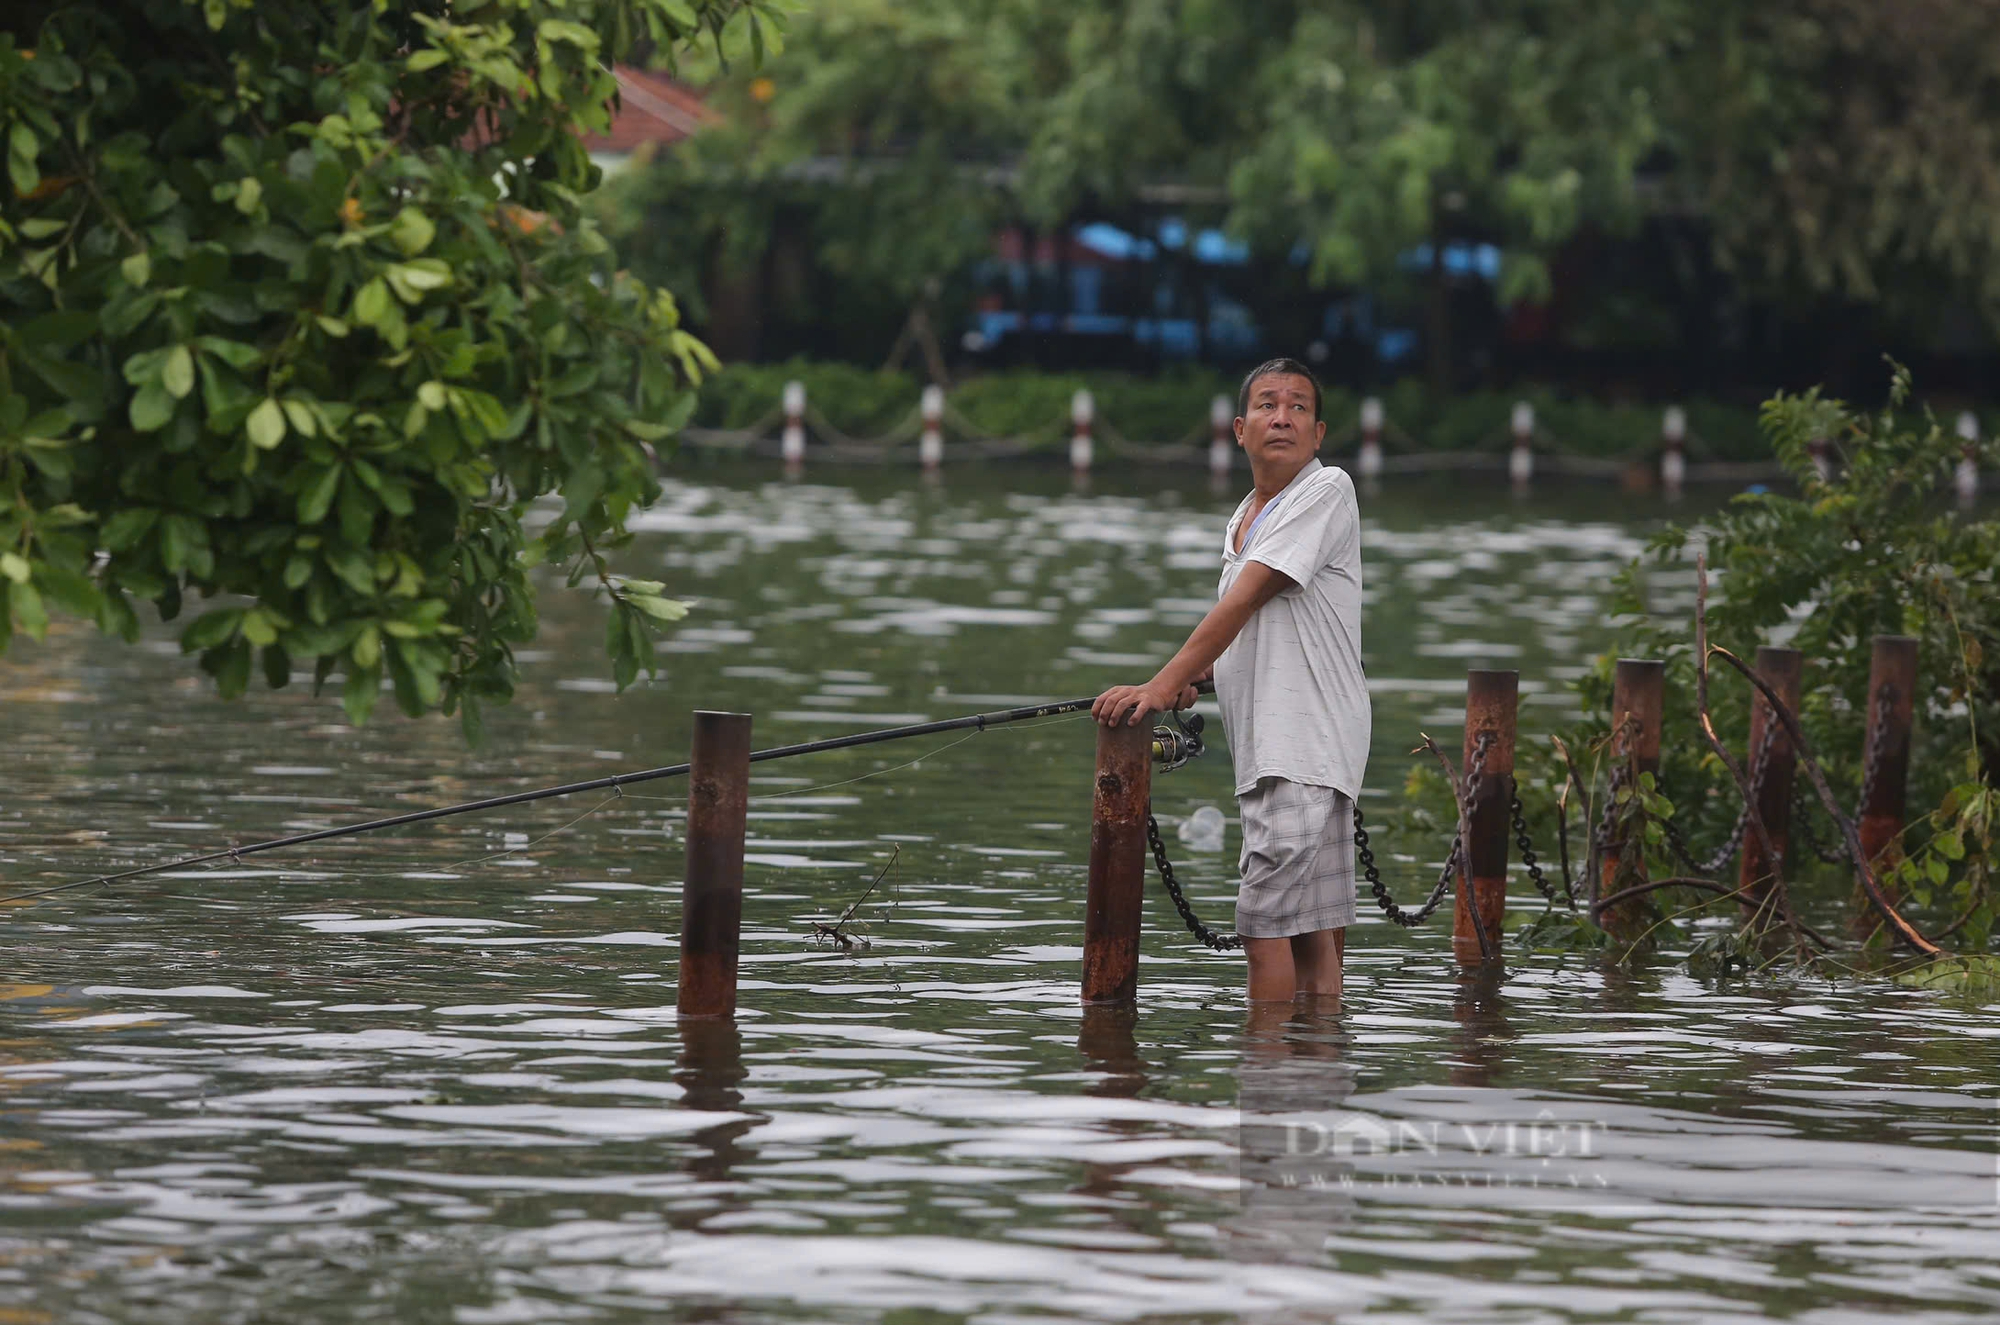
<point x="439" y="1076"/>
<point x="711" y="1076"/>
<point x="1485" y="1035"/>
<point x="1295" y="1178"/>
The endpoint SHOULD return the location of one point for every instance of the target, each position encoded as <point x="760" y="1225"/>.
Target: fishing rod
<point x="975" y="721"/>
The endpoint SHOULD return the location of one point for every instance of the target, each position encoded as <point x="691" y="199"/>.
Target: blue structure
<point x="1165" y="295"/>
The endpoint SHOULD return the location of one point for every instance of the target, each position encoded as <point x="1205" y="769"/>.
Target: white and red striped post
<point x="1221" y="440"/>
<point x="1082" y="409"/>
<point x="930" y="444"/>
<point x="1521" y="461"/>
<point x="1965" y="478"/>
<point x="1673" y="449"/>
<point x="1370" y="462"/>
<point x="793" y="444"/>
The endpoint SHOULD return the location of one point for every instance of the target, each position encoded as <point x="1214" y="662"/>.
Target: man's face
<point x="1280" y="426"/>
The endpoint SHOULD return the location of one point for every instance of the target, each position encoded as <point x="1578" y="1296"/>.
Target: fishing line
<point x="976" y="722"/>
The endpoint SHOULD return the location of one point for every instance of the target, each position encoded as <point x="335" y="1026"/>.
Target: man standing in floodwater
<point x="1283" y="643"/>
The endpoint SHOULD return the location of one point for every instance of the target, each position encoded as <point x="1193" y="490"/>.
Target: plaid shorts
<point x="1297" y="862"/>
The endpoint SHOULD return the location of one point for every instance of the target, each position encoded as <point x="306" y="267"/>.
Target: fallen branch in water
<point x="1773" y="858"/>
<point x="836" y="933"/>
<point x="1902" y="928"/>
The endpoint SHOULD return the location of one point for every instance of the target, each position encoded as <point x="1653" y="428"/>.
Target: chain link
<point x="1529" y="862"/>
<point x="1804" y="806"/>
<point x="1725" y="853"/>
<point x="1474" y="773"/>
<point x="1218" y="941"/>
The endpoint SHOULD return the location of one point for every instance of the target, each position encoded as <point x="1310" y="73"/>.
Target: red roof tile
<point x="652" y="109"/>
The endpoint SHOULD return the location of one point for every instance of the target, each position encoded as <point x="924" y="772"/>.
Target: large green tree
<point x="1831" y="151"/>
<point x="301" y="313"/>
<point x="1844" y="149"/>
<point x="909" y="130"/>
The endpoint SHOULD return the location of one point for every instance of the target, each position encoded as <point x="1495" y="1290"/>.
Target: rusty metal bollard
<point x="712" y="895"/>
<point x="1892" y="690"/>
<point x="1492" y="700"/>
<point x="1117" y="887"/>
<point x="1772" y="783"/>
<point x="1638" y="698"/>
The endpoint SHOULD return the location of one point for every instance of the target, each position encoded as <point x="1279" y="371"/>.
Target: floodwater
<point x="435" y="1075"/>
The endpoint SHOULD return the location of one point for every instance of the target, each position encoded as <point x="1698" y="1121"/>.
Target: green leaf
<point x="661" y="609"/>
<point x="371" y="303"/>
<point x="29" y="613"/>
<point x="472" y="722"/>
<point x="258" y="629"/>
<point x="358" y="696"/>
<point x="299" y="414"/>
<point x="412" y="231"/>
<point x="412" y="280"/>
<point x="151" y="408"/>
<point x="127" y="527"/>
<point x="137" y="269"/>
<point x="317" y="495"/>
<point x="177" y="372"/>
<point x="15" y="567"/>
<point x="22" y="149"/>
<point x="266" y="425"/>
<point x="432" y="396"/>
<point x="277" y="667"/>
<point x="249" y="193"/>
<point x="211" y="629"/>
<point x="230" y="665"/>
<point x="68" y="589"/>
<point x="232" y="352"/>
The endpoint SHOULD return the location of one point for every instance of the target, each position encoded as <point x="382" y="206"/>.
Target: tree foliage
<point x="1831" y="148"/>
<point x="303" y="313"/>
<point x="1871" y="550"/>
<point x="1846" y="147"/>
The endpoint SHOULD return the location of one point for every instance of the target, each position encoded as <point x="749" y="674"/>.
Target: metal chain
<point x="1871" y="763"/>
<point x="1210" y="938"/>
<point x="1221" y="942"/>
<point x="1475" y="770"/>
<point x="1534" y="869"/>
<point x="1802" y="819"/>
<point x="1734" y="842"/>
<point x="1609" y="814"/>
<point x="1803" y="805"/>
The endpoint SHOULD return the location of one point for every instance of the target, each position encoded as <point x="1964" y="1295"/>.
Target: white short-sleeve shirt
<point x="1293" y="696"/>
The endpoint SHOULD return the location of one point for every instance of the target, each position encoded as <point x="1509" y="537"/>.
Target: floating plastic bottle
<point x="1202" y="830"/>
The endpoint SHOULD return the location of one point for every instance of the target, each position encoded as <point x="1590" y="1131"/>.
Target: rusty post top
<point x="1638" y="693"/>
<point x="1492" y="700"/>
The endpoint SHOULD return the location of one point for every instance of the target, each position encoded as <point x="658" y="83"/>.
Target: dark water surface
<point x="436" y="1075"/>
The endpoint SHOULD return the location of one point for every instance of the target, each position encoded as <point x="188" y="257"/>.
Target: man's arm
<point x="1171" y="685"/>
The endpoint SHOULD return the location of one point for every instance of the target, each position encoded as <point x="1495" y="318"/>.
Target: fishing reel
<point x="1174" y="746"/>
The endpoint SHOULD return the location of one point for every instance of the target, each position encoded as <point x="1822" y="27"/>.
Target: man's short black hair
<point x="1276" y="368"/>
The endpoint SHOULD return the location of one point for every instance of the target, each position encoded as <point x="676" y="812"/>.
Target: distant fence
<point x="932" y="433"/>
